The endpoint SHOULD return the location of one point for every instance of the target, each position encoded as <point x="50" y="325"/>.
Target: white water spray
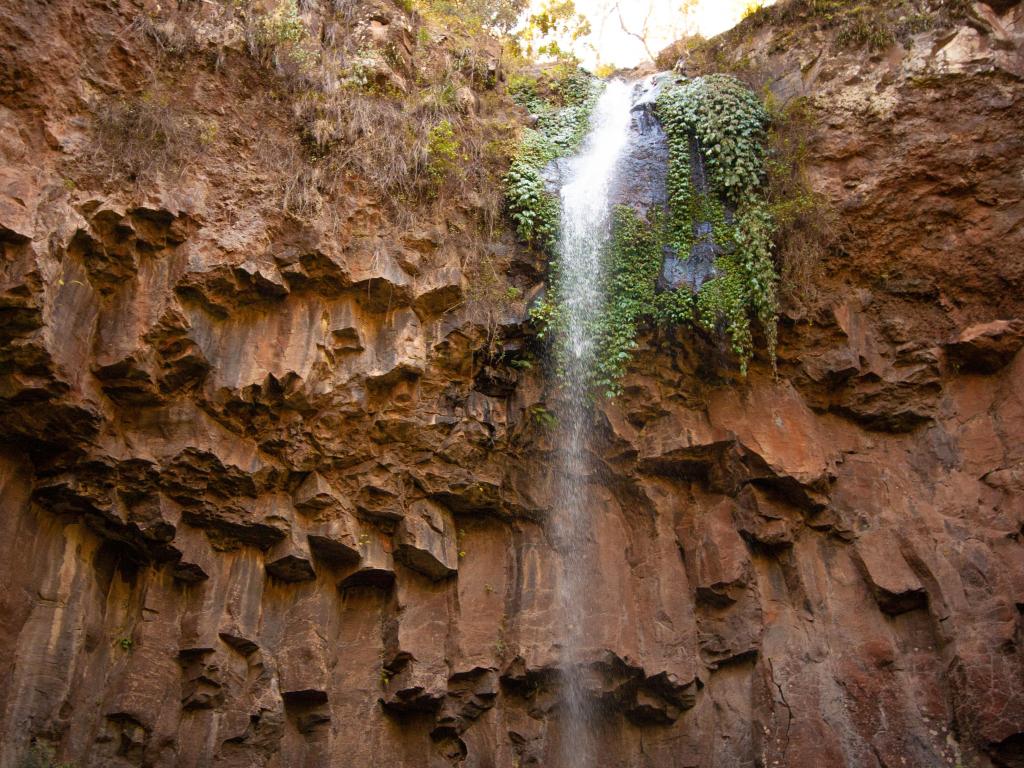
<point x="585" y="230"/>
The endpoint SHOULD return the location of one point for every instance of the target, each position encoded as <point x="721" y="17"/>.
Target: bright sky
<point x="666" y="24"/>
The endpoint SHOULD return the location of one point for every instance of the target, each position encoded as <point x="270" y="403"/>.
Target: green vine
<point x="559" y="131"/>
<point x="728" y="122"/>
<point x="631" y="265"/>
<point x="720" y="118"/>
<point x="533" y="209"/>
<point x="715" y="118"/>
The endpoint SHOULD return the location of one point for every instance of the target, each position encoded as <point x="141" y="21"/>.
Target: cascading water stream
<point x="585" y="230"/>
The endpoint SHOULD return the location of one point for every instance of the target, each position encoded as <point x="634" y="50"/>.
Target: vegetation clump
<point x="806" y="226"/>
<point x="717" y="118"/>
<point x="875" y="26"/>
<point x="280" y="37"/>
<point x="717" y="121"/>
<point x="143" y="135"/>
<point x="631" y="266"/>
<point x="442" y="151"/>
<point x="727" y="121"/>
<point x="561" y="124"/>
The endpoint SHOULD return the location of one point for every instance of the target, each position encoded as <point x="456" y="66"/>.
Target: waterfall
<point x="585" y="229"/>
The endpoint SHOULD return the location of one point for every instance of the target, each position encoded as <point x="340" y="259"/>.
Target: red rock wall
<point x="266" y="503"/>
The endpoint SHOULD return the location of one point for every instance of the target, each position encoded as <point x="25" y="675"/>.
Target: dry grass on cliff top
<point x="318" y="118"/>
<point x="875" y="25"/>
<point x="841" y="24"/>
<point x="415" y="119"/>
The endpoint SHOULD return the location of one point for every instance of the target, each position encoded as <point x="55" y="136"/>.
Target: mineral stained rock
<point x="263" y="504"/>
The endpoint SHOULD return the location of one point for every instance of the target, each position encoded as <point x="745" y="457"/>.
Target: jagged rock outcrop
<point x="270" y="496"/>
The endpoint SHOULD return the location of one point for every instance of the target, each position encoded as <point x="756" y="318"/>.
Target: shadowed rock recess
<point x="270" y="497"/>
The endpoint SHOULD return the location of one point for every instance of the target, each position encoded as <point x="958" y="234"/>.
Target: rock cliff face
<point x="271" y="498"/>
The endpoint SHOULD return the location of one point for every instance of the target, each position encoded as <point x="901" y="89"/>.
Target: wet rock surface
<point x="259" y="510"/>
<point x="642" y="176"/>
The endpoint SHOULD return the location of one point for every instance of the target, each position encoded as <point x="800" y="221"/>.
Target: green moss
<point x="442" y="152"/>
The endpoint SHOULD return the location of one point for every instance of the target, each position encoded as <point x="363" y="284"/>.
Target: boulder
<point x="426" y="540"/>
<point x="722" y="566"/>
<point x="376" y="566"/>
<point x="290" y="559"/>
<point x="316" y="494"/>
<point x="988" y="347"/>
<point x="336" y="541"/>
<point x="195" y="560"/>
<point x="894" y="585"/>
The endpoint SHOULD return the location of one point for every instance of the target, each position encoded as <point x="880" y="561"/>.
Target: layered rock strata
<point x="270" y="497"/>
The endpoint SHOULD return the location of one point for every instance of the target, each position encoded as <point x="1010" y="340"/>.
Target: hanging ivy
<point x="629" y="269"/>
<point x="533" y="209"/>
<point x="719" y="119"/>
<point x="560" y="130"/>
<point x="716" y="120"/>
<point x="631" y="265"/>
<point x="728" y="122"/>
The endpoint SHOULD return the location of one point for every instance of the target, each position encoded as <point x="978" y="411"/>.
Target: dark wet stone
<point x="642" y="177"/>
<point x="692" y="272"/>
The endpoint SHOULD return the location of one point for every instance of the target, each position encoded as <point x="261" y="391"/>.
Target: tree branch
<point x="642" y="35"/>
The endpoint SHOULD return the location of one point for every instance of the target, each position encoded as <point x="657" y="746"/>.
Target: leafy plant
<point x="533" y="209"/>
<point x="442" y="152"/>
<point x="542" y="417"/>
<point x="719" y="120"/>
<point x="630" y="265"/>
<point x="727" y="121"/>
<point x="559" y="132"/>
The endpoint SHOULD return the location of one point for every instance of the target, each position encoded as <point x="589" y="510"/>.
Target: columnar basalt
<point x="272" y="495"/>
